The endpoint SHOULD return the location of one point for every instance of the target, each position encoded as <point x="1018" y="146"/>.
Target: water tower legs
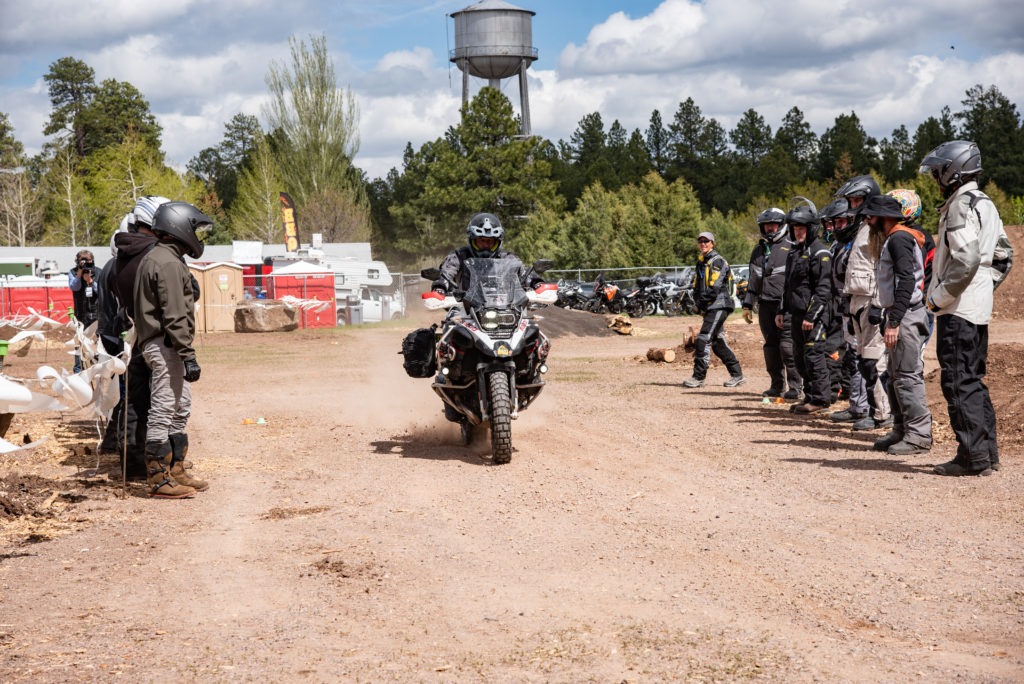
<point x="524" y="99"/>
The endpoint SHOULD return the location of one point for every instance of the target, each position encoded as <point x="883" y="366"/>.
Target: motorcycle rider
<point x="972" y="257"/>
<point x="806" y="298"/>
<point x="484" y="235"/>
<point x="165" y="327"/>
<point x="764" y="289"/>
<point x="710" y="289"/>
<point x="856" y="265"/>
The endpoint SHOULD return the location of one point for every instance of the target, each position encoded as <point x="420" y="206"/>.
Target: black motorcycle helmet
<point x="805" y="216"/>
<point x="484" y="226"/>
<point x="837" y="208"/>
<point x="184" y="224"/>
<point x="859" y="186"/>
<point x="773" y="215"/>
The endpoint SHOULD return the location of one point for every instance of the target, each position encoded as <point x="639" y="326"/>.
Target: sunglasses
<point x="703" y="241"/>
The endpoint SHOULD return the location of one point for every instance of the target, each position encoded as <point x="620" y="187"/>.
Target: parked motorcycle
<point x="490" y="353"/>
<point x="679" y="301"/>
<point x="646" y="299"/>
<point x="607" y="297"/>
<point x="571" y="295"/>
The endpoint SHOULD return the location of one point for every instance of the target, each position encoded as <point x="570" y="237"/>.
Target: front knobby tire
<point x="501" y="417"/>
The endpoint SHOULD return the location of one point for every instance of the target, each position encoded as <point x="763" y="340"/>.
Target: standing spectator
<point x="84" y="292"/>
<point x="109" y="331"/>
<point x="165" y="327"/>
<point x="838" y="228"/>
<point x="900" y="278"/>
<point x="911" y="203"/>
<point x="861" y="298"/>
<point x="807" y="299"/>
<point x="972" y="256"/>
<point x="714" y="299"/>
<point x="764" y="290"/>
<point x="131" y="247"/>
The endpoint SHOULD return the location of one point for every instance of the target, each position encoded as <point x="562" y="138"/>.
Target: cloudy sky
<point x="199" y="62"/>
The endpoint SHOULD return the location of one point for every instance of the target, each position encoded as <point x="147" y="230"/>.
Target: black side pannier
<point x="418" y="352"/>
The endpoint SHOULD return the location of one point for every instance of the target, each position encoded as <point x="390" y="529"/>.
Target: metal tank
<point x="493" y="40"/>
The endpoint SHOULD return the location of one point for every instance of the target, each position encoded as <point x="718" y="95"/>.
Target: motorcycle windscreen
<point x="494" y="284"/>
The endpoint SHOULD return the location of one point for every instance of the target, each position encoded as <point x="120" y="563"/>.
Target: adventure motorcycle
<point x="571" y="295"/>
<point x="607" y="296"/>
<point x="489" y="353"/>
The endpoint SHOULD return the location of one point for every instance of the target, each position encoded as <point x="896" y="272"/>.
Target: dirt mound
<point x="559" y="322"/>
<point x="1009" y="298"/>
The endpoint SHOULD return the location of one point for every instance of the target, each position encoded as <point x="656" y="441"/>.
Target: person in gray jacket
<point x="165" y="327"/>
<point x="972" y="256"/>
<point x="898" y="251"/>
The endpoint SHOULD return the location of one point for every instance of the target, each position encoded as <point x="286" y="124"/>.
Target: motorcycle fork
<point x="485" y="369"/>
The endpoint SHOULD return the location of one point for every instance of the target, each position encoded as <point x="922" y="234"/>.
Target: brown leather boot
<point x="179" y="450"/>
<point x="158" y="473"/>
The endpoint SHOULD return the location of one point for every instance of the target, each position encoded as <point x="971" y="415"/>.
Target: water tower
<point x="493" y="40"/>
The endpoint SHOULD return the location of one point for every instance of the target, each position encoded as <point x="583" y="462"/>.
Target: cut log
<point x="661" y="355"/>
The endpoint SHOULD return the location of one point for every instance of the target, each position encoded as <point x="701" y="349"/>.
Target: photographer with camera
<point x="85" y="291"/>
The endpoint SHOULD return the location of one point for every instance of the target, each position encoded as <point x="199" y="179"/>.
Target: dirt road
<point x="642" y="532"/>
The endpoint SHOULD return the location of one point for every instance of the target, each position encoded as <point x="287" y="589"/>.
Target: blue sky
<point x="200" y="62"/>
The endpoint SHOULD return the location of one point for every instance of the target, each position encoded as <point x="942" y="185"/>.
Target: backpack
<point x="1002" y="259"/>
<point x="418" y="352"/>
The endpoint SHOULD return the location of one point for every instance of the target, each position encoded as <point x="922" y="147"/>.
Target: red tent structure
<point x="310" y="287"/>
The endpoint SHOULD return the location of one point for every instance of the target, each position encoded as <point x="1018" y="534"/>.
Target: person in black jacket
<point x="764" y="289"/>
<point x="807" y="298"/>
<point x="484" y="236"/>
<point x="84" y="294"/>
<point x="711" y="291"/>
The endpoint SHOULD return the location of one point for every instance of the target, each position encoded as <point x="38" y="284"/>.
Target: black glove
<point x="192" y="371"/>
<point x="874" y="315"/>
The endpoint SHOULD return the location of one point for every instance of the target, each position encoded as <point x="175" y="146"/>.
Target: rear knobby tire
<point x="501" y="417"/>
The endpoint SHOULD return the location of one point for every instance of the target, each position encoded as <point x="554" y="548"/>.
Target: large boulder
<point x="265" y="315"/>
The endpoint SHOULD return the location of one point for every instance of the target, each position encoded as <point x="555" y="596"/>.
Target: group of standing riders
<point x="145" y="297"/>
<point x="847" y="299"/>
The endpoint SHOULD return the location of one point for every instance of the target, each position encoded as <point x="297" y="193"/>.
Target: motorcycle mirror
<point x="542" y="265"/>
<point x="430" y="274"/>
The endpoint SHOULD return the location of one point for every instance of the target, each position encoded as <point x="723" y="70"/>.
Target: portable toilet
<point x="220" y="291"/>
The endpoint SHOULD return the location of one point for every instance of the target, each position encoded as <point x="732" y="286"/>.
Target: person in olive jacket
<point x="165" y="328"/>
<point x="807" y="298"/>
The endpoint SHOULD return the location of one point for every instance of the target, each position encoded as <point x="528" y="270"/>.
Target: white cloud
<point x="198" y="64"/>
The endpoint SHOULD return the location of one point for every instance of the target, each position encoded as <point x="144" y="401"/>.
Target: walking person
<point x="765" y="286"/>
<point x="807" y="298"/>
<point x="972" y="256"/>
<point x="714" y="299"/>
<point x="899" y="253"/>
<point x="165" y="327"/>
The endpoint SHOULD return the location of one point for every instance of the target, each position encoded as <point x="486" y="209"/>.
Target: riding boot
<point x="158" y="473"/>
<point x="179" y="450"/>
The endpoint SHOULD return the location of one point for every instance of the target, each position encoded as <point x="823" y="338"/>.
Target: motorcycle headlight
<point x="489" y="321"/>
